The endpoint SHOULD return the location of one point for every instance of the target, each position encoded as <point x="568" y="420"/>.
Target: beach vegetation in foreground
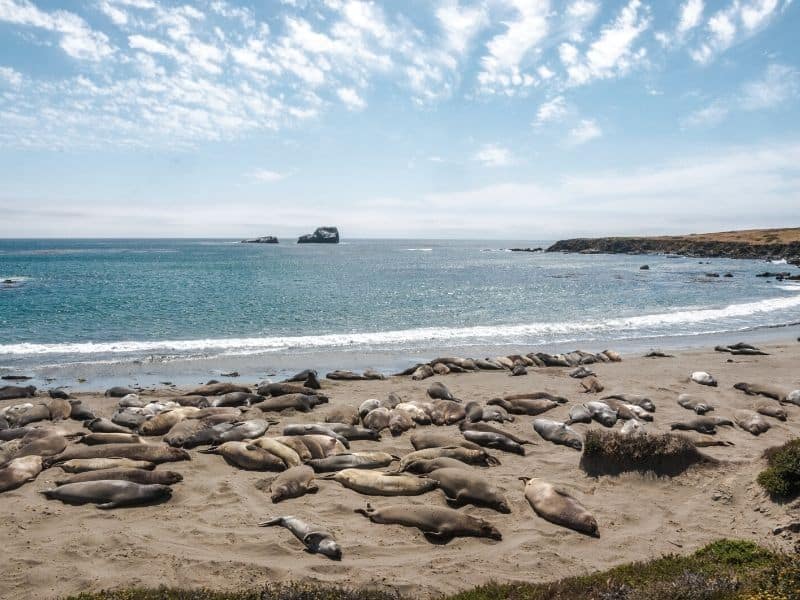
<point x="781" y="478"/>
<point x="722" y="570"/>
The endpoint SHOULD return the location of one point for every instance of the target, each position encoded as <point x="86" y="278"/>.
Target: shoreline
<point x="207" y="534"/>
<point x="99" y="375"/>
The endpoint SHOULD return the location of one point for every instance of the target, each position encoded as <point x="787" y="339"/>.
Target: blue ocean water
<point x="161" y="300"/>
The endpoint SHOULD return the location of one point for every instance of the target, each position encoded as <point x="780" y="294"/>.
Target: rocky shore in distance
<point x="765" y="244"/>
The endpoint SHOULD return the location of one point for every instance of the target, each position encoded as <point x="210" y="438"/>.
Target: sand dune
<point x="206" y="535"/>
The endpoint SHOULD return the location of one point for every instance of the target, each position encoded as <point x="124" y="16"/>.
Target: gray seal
<point x="699" y="406"/>
<point x="496" y="441"/>
<point x="439" y="391"/>
<point x="558" y="507"/>
<point x="293" y="483"/>
<point x="135" y="475"/>
<point x="468" y="486"/>
<point x="437" y="523"/>
<point x="316" y="540"/>
<point x="110" y="493"/>
<point x="558" y="433"/>
<point x="19" y="471"/>
<point x="12" y="392"/>
<point x="356" y="460"/>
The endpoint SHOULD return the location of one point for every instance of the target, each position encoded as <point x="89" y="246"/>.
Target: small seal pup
<point x="703" y="378"/>
<point x="293" y="483"/>
<point x="770" y="409"/>
<point x="558" y="507"/>
<point x="247" y="456"/>
<point x="468" y="486"/>
<point x="558" y="433"/>
<point x="19" y="471"/>
<point x="699" y="406"/>
<point x="109" y="494"/>
<point x="316" y="540"/>
<point x="437" y="523"/>
<point x="372" y="483"/>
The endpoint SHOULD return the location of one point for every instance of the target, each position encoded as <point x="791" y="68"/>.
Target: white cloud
<point x="351" y="99"/>
<point x="502" y="66"/>
<point x="586" y="131"/>
<point x="707" y="116"/>
<point x="779" y="84"/>
<point x="78" y="40"/>
<point x="493" y="155"/>
<point x="267" y="176"/>
<point x="10" y="76"/>
<point x="579" y="15"/>
<point x="690" y="16"/>
<point x="552" y="110"/>
<point x="612" y="53"/>
<point x="460" y="24"/>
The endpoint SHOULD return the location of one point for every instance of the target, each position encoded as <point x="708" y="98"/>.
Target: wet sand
<point x="207" y="534"/>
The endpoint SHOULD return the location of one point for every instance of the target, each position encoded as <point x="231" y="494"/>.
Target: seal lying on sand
<point x="558" y="433"/>
<point x="422" y="466"/>
<point x="19" y="471"/>
<point x="247" y="456"/>
<point x="468" y="486"/>
<point x="316" y="540"/>
<point x="436" y="523"/>
<point x="465" y="455"/>
<point x="557" y="506"/>
<point x="81" y="465"/>
<point x="493" y="440"/>
<point x="465" y="426"/>
<point x="524" y="406"/>
<point x="156" y="453"/>
<point x="293" y="483"/>
<point x="135" y="475"/>
<point x="699" y="406"/>
<point x="356" y="460"/>
<point x="374" y="483"/>
<point x="109" y="494"/>
<point x="755" y="389"/>
<point x="751" y="422"/>
<point x="703" y="378"/>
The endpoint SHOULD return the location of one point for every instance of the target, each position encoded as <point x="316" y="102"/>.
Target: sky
<point x="497" y="119"/>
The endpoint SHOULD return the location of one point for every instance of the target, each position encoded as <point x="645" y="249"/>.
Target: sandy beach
<point x="207" y="534"/>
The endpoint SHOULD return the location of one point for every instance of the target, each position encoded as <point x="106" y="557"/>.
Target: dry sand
<point x="206" y="535"/>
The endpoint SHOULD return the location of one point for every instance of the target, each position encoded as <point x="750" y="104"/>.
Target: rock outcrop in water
<point x="764" y="244"/>
<point x="267" y="239"/>
<point x="322" y="235"/>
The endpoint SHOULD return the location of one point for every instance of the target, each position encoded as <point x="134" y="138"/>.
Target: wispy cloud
<point x="585" y="131"/>
<point x="351" y="99"/>
<point x="494" y="155"/>
<point x="267" y="175"/>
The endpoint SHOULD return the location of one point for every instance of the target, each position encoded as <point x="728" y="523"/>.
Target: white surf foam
<point x="732" y="314"/>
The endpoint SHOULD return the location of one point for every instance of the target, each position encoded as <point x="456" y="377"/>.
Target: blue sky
<point x="516" y="119"/>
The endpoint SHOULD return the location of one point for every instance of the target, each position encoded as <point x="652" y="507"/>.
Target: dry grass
<point x="611" y="453"/>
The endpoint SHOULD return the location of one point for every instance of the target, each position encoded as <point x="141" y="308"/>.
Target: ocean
<point x="156" y="308"/>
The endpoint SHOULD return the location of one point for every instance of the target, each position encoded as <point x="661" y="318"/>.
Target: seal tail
<point x="211" y="450"/>
<point x="271" y="522"/>
<point x="328" y="476"/>
<point x="492" y="461"/>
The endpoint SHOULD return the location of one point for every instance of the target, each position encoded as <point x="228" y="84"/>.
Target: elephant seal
<point x="699" y="406"/>
<point x="434" y="439"/>
<point x="316" y="540"/>
<point x="631" y="427"/>
<point x="558" y="507"/>
<point x="285" y="389"/>
<point x="375" y="483"/>
<point x="602" y="413"/>
<point x="703" y="378"/>
<point x="755" y="389"/>
<point x="293" y="483"/>
<point x="486" y="364"/>
<point x="237" y="399"/>
<point x="184" y="434"/>
<point x="218" y="389"/>
<point x="437" y="523"/>
<point x="592" y="385"/>
<point x="59" y="393"/>
<point x="343" y="414"/>
<point x="422" y="372"/>
<point x="524" y="406"/>
<point x="464" y="426"/>
<point x="81" y="465"/>
<point x="793" y="398"/>
<point x="635" y="399"/>
<point x="474" y="413"/>
<point x="244" y="430"/>
<point x="288" y="454"/>
<point x="79" y="412"/>
<point x="377" y="419"/>
<point x="466" y="455"/>
<point x="558" y="433"/>
<point x="103" y="425"/>
<point x="579" y="413"/>
<point x="319" y="446"/>
<point x="439" y="391"/>
<point x="164" y="421"/>
<point x="416" y="412"/>
<point x="705" y="425"/>
<point x="466" y="486"/>
<point x="581" y="372"/>
<point x="301" y="376"/>
<point x="356" y="460"/>
<point x="422" y="466"/>
<point x="496" y="441"/>
<point x="39" y="442"/>
<point x="315" y="429"/>
<point x="196" y="401"/>
<point x="93" y="439"/>
<point x="447" y="412"/>
<point x="341" y="375"/>
<point x="400" y="422"/>
<point x="367" y="406"/>
<point x="770" y="409"/>
<point x="12" y="392"/>
<point x="535" y="396"/>
<point x="628" y="411"/>
<point x="28" y="414"/>
<point x="118" y="392"/>
<point x="299" y="402"/>
<point x="751" y="422"/>
<point x="126" y="474"/>
<point x="109" y="494"/>
<point x="60" y="409"/>
<point x="19" y="471"/>
<point x="247" y="456"/>
<point x="155" y="453"/>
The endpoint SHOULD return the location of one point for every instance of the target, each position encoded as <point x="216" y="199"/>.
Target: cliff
<point x="753" y="244"/>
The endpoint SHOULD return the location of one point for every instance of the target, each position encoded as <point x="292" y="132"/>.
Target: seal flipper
<point x="271" y="522"/>
<point x="437" y="537"/>
<point x="108" y="505"/>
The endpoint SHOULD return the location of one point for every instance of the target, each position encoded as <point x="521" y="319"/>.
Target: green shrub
<point x="781" y="479"/>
